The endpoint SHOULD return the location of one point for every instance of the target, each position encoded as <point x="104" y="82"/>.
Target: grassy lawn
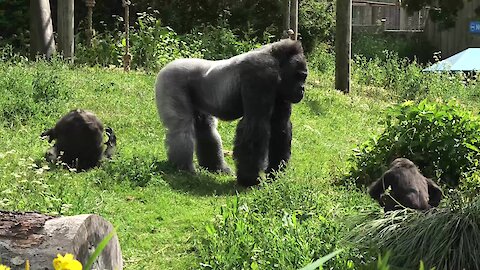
<point x="162" y="214"/>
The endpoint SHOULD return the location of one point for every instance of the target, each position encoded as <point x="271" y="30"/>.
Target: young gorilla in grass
<point x="409" y="188"/>
<point x="258" y="86"/>
<point x="79" y="137"/>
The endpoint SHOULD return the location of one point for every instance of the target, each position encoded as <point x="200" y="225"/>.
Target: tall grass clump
<point x="284" y="225"/>
<point x="441" y="138"/>
<point x="26" y="94"/>
<point x="441" y="238"/>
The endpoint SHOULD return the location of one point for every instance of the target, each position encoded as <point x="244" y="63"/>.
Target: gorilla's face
<point x="294" y="74"/>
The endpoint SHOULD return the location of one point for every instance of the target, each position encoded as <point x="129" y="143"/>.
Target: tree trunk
<point x="39" y="238"/>
<point x="42" y="41"/>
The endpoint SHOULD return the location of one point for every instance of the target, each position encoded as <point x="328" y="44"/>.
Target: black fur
<point x="258" y="86"/>
<point x="79" y="136"/>
<point x="409" y="188"/>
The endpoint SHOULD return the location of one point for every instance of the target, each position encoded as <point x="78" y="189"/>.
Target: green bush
<point x="219" y="42"/>
<point x="316" y="22"/>
<point x="442" y="139"/>
<point x="153" y="45"/>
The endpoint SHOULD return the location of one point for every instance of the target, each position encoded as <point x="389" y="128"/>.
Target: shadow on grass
<point x="201" y="183"/>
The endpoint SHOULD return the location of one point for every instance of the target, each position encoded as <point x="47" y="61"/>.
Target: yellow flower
<point x="66" y="262"/>
<point x="4" y="267"/>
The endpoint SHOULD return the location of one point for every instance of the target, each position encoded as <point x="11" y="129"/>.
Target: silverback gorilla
<point x="258" y="86"/>
<point x="409" y="188"/>
<point x="79" y="136"/>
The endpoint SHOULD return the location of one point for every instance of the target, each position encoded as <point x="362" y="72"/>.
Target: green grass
<point x="172" y="220"/>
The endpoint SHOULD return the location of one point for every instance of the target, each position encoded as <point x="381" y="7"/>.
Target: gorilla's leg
<point x="280" y="136"/>
<point x="209" y="144"/>
<point x="176" y="111"/>
<point x="250" y="150"/>
<point x="180" y="145"/>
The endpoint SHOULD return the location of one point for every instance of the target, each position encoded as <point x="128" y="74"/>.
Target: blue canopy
<point x="467" y="60"/>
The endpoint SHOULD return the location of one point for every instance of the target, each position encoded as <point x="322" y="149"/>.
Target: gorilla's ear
<point x="435" y="193"/>
<point x="285" y="49"/>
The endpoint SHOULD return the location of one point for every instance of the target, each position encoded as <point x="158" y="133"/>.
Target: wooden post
<point x="127" y="58"/>
<point x="343" y="45"/>
<point x="295" y="18"/>
<point x="286" y="17"/>
<point x="403" y="18"/>
<point x="89" y="32"/>
<point x="42" y="41"/>
<point x="65" y="30"/>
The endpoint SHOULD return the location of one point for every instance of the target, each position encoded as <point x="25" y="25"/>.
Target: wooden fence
<point x="458" y="38"/>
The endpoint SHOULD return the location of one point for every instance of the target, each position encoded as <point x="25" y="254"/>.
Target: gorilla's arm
<point x="376" y="189"/>
<point x="50" y="134"/>
<point x="435" y="194"/>
<point x="280" y="136"/>
<point x="253" y="131"/>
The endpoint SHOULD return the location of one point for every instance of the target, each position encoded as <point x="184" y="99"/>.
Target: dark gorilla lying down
<point x="258" y="86"/>
<point x="79" y="137"/>
<point x="409" y="188"/>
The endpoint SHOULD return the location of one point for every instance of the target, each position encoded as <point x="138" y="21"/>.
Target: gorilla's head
<point x="293" y="69"/>
<point x="407" y="188"/>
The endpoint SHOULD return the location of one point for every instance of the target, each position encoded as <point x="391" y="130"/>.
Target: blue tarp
<point x="467" y="60"/>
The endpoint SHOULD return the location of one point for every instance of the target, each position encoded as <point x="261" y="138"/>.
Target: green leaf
<point x="472" y="147"/>
<point x="321" y="261"/>
<point x="101" y="246"/>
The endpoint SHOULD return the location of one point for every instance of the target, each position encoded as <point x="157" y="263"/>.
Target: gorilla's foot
<point x="185" y="167"/>
<point x="247" y="181"/>
<point x="225" y="169"/>
<point x="218" y="169"/>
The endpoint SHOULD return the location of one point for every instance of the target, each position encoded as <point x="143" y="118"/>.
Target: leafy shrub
<point x="219" y="42"/>
<point x="442" y="238"/>
<point x="316" y="22"/>
<point x="153" y="46"/>
<point x="106" y="49"/>
<point x="442" y="139"/>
